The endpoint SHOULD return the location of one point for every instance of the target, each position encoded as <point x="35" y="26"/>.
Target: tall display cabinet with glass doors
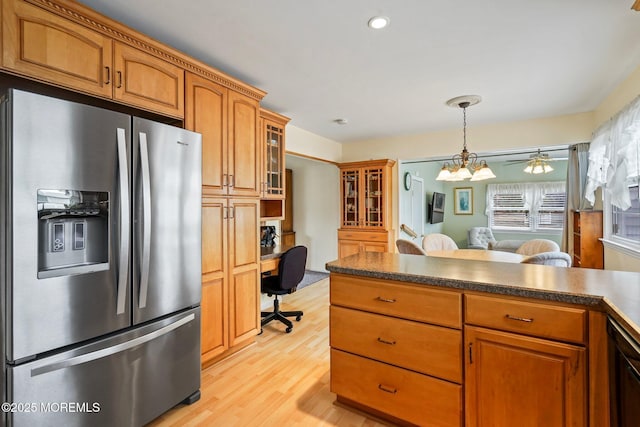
<point x="365" y="207"/>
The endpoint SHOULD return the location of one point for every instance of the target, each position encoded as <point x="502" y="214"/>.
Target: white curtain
<point x="511" y="188"/>
<point x="614" y="157"/>
<point x="532" y="193"/>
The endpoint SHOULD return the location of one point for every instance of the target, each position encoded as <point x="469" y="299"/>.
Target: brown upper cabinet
<point x="42" y="45"/>
<point x="146" y="81"/>
<point x="365" y="192"/>
<point x="48" y="47"/>
<point x="228" y="122"/>
<point x="206" y="113"/>
<point x="273" y="149"/>
<point x="243" y="165"/>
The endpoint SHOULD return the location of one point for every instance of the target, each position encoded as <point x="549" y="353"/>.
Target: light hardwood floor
<point x="282" y="380"/>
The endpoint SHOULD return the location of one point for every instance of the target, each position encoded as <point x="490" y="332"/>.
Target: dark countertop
<point x="615" y="292"/>
<point x="271" y="252"/>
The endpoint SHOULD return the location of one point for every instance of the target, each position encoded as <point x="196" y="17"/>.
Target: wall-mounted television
<point x="436" y="208"/>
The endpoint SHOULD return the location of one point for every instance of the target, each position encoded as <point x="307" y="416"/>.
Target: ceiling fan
<point x="537" y="163"/>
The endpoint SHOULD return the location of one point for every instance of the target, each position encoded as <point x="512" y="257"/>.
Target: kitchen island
<point x="438" y="341"/>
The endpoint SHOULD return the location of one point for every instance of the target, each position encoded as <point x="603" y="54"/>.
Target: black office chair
<point x="290" y="273"/>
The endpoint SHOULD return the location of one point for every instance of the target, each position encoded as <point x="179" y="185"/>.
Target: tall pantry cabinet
<point x="228" y="122"/>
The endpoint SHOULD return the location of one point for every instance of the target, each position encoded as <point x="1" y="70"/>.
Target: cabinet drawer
<point x="432" y="350"/>
<point x="403" y="394"/>
<point x="368" y="236"/>
<point x="542" y="320"/>
<point x="399" y="300"/>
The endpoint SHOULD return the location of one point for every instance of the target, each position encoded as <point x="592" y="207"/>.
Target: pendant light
<point x="465" y="165"/>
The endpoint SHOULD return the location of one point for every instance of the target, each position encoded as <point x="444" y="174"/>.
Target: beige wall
<point x="626" y="92"/>
<point x="302" y="142"/>
<point x="550" y="131"/>
<point x="316" y="209"/>
<point x="617" y="260"/>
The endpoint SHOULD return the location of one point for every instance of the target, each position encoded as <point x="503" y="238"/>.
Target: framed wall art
<point x="463" y="201"/>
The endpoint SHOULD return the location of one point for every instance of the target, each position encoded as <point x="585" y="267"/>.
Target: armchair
<point x="556" y="258"/>
<point x="480" y="238"/>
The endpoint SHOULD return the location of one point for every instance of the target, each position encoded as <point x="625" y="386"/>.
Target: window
<point x="532" y="207"/>
<point x="551" y="211"/>
<point x="509" y="211"/>
<point x="625" y="224"/>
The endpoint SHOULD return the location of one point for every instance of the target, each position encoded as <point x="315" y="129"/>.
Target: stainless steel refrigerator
<point x="100" y="264"/>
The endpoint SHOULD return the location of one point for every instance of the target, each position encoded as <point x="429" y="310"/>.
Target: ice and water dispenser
<point x="73" y="232"/>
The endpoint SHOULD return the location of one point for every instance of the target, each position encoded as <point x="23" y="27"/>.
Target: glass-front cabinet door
<point x="373" y="198"/>
<point x="350" y="198"/>
<point x="366" y="195"/>
<point x="273" y="160"/>
<point x="273" y="150"/>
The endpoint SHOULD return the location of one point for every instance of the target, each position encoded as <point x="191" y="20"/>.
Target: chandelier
<point x="465" y="165"/>
<point x="538" y="163"/>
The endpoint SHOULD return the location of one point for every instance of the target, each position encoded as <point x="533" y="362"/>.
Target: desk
<point x="479" y="255"/>
<point x="270" y="257"/>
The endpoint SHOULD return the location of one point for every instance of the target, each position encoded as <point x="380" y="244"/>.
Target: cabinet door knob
<point x="108" y="70"/>
<point x="119" y="73"/>
<point x="383" y="341"/>
<point x="385" y="299"/>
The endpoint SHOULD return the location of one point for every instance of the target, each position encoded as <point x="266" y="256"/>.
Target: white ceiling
<point x="318" y="60"/>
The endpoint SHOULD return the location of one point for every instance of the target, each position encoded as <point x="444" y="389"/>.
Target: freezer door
<point x="167" y="219"/>
<point x="66" y="278"/>
<point x="126" y="380"/>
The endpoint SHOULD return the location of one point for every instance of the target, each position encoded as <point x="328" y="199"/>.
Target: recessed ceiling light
<point x="378" y="22"/>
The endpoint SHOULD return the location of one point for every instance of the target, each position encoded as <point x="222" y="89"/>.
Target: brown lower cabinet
<point x="398" y="351"/>
<point x="230" y="273"/>
<point x="352" y="242"/>
<point x="516" y="380"/>
<point x="396" y="392"/>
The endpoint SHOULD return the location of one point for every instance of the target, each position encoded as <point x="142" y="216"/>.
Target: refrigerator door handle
<point x="98" y="354"/>
<point x="125" y="223"/>
<point x="146" y="212"/>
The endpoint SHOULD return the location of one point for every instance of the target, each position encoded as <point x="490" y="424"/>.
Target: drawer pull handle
<point x="385" y="299"/>
<point x="386" y="342"/>
<point x="519" y="319"/>
<point x="387" y="389"/>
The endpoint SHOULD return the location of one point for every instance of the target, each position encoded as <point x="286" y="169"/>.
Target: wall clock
<point x="407" y="181"/>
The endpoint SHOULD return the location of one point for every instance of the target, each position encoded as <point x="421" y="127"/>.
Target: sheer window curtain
<point x="577" y="168"/>
<point x="614" y="156"/>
